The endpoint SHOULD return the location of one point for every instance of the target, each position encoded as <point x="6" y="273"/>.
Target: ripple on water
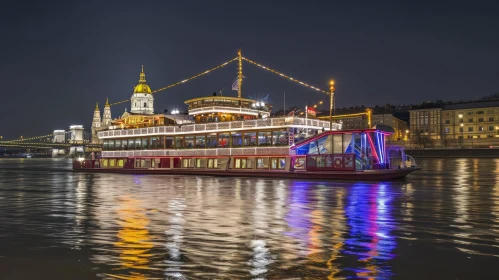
<point x="442" y="222"/>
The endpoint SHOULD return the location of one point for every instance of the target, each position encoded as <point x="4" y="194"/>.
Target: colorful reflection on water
<point x="441" y="223"/>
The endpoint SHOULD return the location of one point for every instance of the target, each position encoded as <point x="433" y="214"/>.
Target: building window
<point x="490" y="111"/>
<point x="491" y="119"/>
<point x="447" y="130"/>
<point x="480" y="119"/>
<point x="470" y="113"/>
<point x="470" y="129"/>
<point x="491" y="128"/>
<point x="447" y="121"/>
<point x="480" y="112"/>
<point x="460" y="120"/>
<point x="470" y="120"/>
<point x="480" y="128"/>
<point x="145" y="104"/>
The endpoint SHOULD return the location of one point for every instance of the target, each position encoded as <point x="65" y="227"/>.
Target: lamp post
<point x="331" y="98"/>
<point x="462" y="130"/>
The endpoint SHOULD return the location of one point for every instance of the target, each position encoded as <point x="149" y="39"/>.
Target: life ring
<point x="337" y="162"/>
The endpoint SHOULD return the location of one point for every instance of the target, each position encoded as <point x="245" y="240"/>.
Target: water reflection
<point x="370" y="224"/>
<point x="134" y="242"/>
<point x="187" y="227"/>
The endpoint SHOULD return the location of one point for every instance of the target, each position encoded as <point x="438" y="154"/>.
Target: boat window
<point x="223" y="140"/>
<point x="189" y="142"/>
<point x="179" y="142"/>
<point x="124" y="144"/>
<point x="187" y="162"/>
<point x="200" y="163"/>
<point x="104" y="163"/>
<point x="117" y="144"/>
<point x="262" y="163"/>
<point x="282" y="163"/>
<point x="169" y="143"/>
<point x="145" y="163"/>
<point x="238" y="163"/>
<point x="106" y="145"/>
<point x="131" y="144"/>
<point x="278" y="163"/>
<point x="264" y="138"/>
<point x="212" y="163"/>
<point x="154" y="143"/>
<point x="200" y="141"/>
<point x="237" y="140"/>
<point x="249" y="139"/>
<point x="211" y="141"/>
<point x="145" y="143"/>
<point x="138" y="145"/>
<point x="337" y="144"/>
<point x="280" y="138"/>
<point x="273" y="163"/>
<point x="112" y="163"/>
<point x="121" y="162"/>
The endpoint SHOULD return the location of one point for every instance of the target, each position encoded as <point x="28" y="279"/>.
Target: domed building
<point x="142" y="100"/>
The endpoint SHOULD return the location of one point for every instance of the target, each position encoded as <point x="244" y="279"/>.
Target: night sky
<point x="58" y="58"/>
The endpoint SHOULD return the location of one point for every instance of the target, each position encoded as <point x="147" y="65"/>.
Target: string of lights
<point x="315" y="105"/>
<point x="28" y="139"/>
<point x="183" y="81"/>
<point x="284" y="76"/>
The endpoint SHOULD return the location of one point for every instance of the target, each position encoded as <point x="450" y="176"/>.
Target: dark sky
<point x="58" y="58"/>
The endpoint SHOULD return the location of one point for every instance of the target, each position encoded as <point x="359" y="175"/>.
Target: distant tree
<point x="423" y="140"/>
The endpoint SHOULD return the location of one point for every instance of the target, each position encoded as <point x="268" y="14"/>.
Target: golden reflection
<point x="134" y="240"/>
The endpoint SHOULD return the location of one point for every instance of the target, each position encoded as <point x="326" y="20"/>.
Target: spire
<point x="107" y="102"/>
<point x="142" y="76"/>
<point x="97" y="106"/>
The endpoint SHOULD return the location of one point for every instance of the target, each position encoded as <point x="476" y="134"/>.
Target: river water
<point x="440" y="223"/>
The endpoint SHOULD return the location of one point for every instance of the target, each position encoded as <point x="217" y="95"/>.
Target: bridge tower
<point x="96" y="123"/>
<point x="76" y="138"/>
<point x="59" y="137"/>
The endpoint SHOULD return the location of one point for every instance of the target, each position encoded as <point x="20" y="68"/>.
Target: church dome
<point x="142" y="87"/>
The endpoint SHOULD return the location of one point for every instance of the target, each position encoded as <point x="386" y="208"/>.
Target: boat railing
<point x="259" y="123"/>
<point x="410" y="162"/>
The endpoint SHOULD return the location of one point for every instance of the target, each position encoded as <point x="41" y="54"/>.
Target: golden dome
<point x="142" y="87"/>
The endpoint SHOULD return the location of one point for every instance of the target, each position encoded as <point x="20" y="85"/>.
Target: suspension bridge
<point x="77" y="140"/>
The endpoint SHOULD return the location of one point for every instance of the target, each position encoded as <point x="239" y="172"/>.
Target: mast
<point x="240" y="74"/>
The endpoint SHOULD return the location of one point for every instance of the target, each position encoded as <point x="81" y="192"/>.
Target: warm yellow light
<point x="315" y="106"/>
<point x="331" y="82"/>
<point x="320" y="102"/>
<point x="460" y="115"/>
<point x="461" y="124"/>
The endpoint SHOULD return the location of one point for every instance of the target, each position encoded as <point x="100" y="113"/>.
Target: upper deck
<point x="246" y="125"/>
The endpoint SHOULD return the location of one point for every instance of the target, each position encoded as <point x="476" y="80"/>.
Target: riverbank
<point x="454" y="153"/>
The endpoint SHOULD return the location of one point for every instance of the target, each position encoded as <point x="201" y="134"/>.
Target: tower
<point x="142" y="101"/>
<point x="96" y="124"/>
<point x="106" y="117"/>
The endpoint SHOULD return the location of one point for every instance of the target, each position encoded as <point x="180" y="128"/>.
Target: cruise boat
<point x="234" y="136"/>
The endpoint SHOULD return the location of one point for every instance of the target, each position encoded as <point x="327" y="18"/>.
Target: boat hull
<point x="368" y="175"/>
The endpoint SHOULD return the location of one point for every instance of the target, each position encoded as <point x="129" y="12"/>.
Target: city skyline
<point x="64" y="58"/>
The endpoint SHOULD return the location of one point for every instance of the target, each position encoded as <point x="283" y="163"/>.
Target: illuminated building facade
<point x="471" y="120"/>
<point x="399" y="126"/>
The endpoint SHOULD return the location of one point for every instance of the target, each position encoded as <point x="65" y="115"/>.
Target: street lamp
<point x="331" y="97"/>
<point x="462" y="130"/>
